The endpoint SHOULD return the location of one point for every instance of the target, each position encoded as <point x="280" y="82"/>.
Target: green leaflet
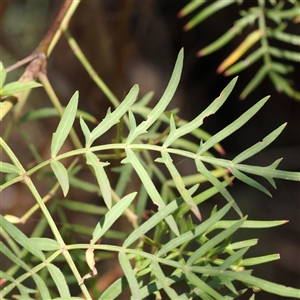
<point x="158" y="273"/>
<point x="228" y="130"/>
<point x="247" y="224"/>
<point x="189" y="235"/>
<point x="130" y="275"/>
<point x="205" y="288"/>
<point x="21" y="238"/>
<point x="248" y="180"/>
<point x="10" y="255"/>
<point x="149" y="186"/>
<point x="60" y="281"/>
<point x="214" y="241"/>
<point x="61" y="174"/>
<point x="162" y="103"/>
<point x="112" y="215"/>
<point x="8" y="168"/>
<point x="198" y="121"/>
<point x="259" y="146"/>
<point x="205" y="172"/>
<point x="233" y="258"/>
<point x="167" y="160"/>
<point x="16" y="87"/>
<point x="65" y="125"/>
<point x="264" y="285"/>
<point x="111" y="118"/>
<point x="85" y="130"/>
<point x="270" y="172"/>
<point x="115" y="289"/>
<point x="2" y="75"/>
<point x="42" y="287"/>
<point x="45" y="244"/>
<point x="98" y="166"/>
<point x="259" y="260"/>
<point x="150" y="223"/>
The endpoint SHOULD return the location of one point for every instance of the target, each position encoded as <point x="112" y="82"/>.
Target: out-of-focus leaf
<point x="191" y="6"/>
<point x="8" y="168"/>
<point x="2" y="75"/>
<point x="254" y="82"/>
<point x="83" y="207"/>
<point x="16" y="87"/>
<point x="10" y="255"/>
<point x="242" y="244"/>
<point x="249" y="41"/>
<point x="48" y="112"/>
<point x="248" y="61"/>
<point x="230" y="34"/>
<point x="206" y="12"/>
<point x="21" y="238"/>
<point x="203" y="197"/>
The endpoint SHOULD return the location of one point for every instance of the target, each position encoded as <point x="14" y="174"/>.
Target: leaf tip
<point x="180" y="14"/>
<point x="200" y="53"/>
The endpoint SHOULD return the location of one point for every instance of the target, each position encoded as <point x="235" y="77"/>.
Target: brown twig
<point x="22" y="62"/>
<point x="38" y="58"/>
<point x="44" y="45"/>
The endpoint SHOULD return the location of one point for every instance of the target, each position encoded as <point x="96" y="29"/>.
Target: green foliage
<point x="269" y="22"/>
<point x="164" y="246"/>
<point x="13" y="87"/>
<point x="169" y="247"/>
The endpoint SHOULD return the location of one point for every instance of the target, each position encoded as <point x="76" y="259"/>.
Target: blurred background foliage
<point x="131" y="42"/>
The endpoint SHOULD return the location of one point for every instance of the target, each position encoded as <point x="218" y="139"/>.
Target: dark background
<point x="131" y="42"/>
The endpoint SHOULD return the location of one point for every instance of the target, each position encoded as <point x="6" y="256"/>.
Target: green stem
<point x="47" y="197"/>
<point x="64" y="25"/>
<point x="90" y="70"/>
<point x="264" y="40"/>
